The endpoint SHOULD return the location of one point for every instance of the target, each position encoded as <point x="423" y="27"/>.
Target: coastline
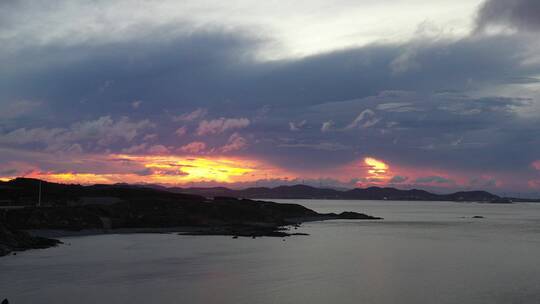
<point x="234" y="230"/>
<point x="122" y="210"/>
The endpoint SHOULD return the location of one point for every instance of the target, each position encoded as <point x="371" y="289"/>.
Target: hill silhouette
<point x="371" y="193"/>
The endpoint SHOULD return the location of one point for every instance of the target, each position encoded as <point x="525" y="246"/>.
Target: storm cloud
<point x="516" y="14"/>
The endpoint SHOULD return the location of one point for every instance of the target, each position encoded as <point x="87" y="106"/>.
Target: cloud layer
<point x="441" y="109"/>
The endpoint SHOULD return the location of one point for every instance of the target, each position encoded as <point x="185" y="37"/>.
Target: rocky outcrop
<point x="12" y="240"/>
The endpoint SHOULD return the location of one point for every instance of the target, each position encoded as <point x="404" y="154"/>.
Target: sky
<point x="440" y="95"/>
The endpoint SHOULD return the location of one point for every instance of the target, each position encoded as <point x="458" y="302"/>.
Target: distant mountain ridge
<point x="280" y="192"/>
<point x="371" y="193"/>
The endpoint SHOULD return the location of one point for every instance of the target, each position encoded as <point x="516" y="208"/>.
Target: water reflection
<point x="426" y="252"/>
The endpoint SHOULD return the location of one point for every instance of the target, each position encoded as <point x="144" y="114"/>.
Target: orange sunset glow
<point x="376" y="168"/>
<point x="182" y="170"/>
<point x="171" y="169"/>
<point x="215" y="170"/>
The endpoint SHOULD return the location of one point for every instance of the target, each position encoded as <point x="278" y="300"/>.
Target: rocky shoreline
<point x="12" y="240"/>
<point x="147" y="210"/>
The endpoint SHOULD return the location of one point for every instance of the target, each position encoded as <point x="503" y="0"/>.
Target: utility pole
<point x="39" y="195"/>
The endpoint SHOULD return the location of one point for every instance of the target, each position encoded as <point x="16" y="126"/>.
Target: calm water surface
<point x="423" y="252"/>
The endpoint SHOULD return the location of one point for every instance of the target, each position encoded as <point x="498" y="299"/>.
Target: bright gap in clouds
<point x="292" y="29"/>
<point x="322" y="26"/>
<point x="376" y="167"/>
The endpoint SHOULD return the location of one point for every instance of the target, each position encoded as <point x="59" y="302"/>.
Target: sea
<point x="422" y="252"/>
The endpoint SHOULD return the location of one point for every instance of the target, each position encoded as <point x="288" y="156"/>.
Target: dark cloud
<point x="218" y="69"/>
<point x="483" y="182"/>
<point x="517" y="14"/>
<point x="9" y="172"/>
<point x="145" y="172"/>
<point x="92" y="79"/>
<point x="434" y="179"/>
<point x="398" y="179"/>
